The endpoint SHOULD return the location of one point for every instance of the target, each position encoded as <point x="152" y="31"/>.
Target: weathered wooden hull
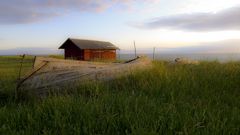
<point x="49" y="73"/>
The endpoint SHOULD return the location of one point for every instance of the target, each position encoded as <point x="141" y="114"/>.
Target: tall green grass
<point x="167" y="99"/>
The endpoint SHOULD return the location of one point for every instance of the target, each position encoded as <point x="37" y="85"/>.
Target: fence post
<point x="154" y="48"/>
<point x="119" y="56"/>
<point x="34" y="59"/>
<point x="135" y="50"/>
<point x="20" y="70"/>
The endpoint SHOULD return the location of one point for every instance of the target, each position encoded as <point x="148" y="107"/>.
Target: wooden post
<point x="135" y="50"/>
<point x="154" y="49"/>
<point x="34" y="59"/>
<point x="20" y="70"/>
<point x="30" y="75"/>
<point x="119" y="57"/>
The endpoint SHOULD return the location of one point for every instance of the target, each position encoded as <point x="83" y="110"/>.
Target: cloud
<point x="228" y="19"/>
<point x="28" y="11"/>
<point x="31" y="51"/>
<point x="225" y="46"/>
<point x="231" y="46"/>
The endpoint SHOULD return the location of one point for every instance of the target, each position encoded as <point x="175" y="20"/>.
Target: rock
<point x="185" y="61"/>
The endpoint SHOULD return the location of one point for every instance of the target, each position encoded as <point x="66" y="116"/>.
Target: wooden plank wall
<point x="99" y="54"/>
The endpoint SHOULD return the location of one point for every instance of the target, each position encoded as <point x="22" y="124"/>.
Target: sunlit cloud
<point x="228" y="19"/>
<point x="27" y="11"/>
<point x="224" y="46"/>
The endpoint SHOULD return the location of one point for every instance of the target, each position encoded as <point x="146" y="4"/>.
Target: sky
<point x="150" y="23"/>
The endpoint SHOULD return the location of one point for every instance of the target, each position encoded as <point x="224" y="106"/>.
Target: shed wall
<point x="73" y="52"/>
<point x="99" y="54"/>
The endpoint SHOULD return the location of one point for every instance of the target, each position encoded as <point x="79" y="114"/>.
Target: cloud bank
<point x="31" y="51"/>
<point x="28" y="11"/>
<point x="231" y="46"/>
<point x="228" y="19"/>
<point x="225" y="46"/>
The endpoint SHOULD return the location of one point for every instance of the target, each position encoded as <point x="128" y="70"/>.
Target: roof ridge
<point x="87" y="40"/>
<point x="90" y="44"/>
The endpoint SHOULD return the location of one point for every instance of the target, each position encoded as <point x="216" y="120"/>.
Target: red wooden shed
<point x="81" y="49"/>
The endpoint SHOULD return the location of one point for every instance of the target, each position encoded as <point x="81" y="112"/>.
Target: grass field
<point x="167" y="99"/>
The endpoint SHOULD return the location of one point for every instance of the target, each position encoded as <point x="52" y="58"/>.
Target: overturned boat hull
<point x="50" y="73"/>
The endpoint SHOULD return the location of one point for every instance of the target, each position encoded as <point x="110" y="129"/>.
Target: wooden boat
<point x="51" y="73"/>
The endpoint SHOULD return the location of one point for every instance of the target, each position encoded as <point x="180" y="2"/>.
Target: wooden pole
<point x="20" y="70"/>
<point x="135" y="50"/>
<point x="154" y="49"/>
<point x="31" y="74"/>
<point x="119" y="56"/>
<point x="34" y="59"/>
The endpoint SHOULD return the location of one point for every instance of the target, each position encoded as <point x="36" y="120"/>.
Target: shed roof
<point x="89" y="44"/>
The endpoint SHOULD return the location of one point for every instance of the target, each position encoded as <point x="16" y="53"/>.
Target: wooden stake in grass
<point x="34" y="59"/>
<point x="154" y="49"/>
<point x="119" y="56"/>
<point x="135" y="50"/>
<point x="20" y="70"/>
<point x="19" y="75"/>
